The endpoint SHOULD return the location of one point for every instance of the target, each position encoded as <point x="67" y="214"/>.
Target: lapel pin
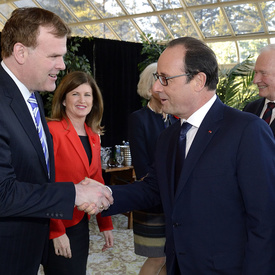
<point x="209" y="131"/>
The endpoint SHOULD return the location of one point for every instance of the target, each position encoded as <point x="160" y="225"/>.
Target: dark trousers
<point x="79" y="242"/>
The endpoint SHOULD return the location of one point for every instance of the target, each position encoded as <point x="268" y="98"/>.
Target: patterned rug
<point x="119" y="260"/>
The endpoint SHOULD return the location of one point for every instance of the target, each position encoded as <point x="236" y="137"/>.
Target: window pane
<point x="126" y="30"/>
<point x="163" y="5"/>
<point x="108" y="8"/>
<point x="269" y="14"/>
<point x="151" y="25"/>
<point x="6" y="10"/>
<point x="179" y="25"/>
<point x="251" y="48"/>
<point x="225" y="51"/>
<point x="79" y="31"/>
<point x="136" y="6"/>
<point x="199" y="2"/>
<point x="211" y="22"/>
<point x="244" y="18"/>
<point x="100" y="31"/>
<point x="25" y="3"/>
<point x="82" y="9"/>
<point x="56" y="7"/>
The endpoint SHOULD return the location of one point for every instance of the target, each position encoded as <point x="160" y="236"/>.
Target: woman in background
<point x="145" y="125"/>
<point x="77" y="111"/>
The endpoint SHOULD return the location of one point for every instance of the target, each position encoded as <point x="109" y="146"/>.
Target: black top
<point x="87" y="147"/>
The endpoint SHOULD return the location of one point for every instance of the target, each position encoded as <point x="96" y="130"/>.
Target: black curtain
<point x="115" y="68"/>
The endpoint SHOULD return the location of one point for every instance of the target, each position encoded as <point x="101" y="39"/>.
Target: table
<point x="119" y="176"/>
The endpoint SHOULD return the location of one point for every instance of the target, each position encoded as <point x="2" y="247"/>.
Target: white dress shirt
<point x="195" y="120"/>
<point x="265" y="107"/>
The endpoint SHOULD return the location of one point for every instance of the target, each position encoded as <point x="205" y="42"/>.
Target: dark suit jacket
<point x="221" y="218"/>
<point x="27" y="199"/>
<point x="256" y="108"/>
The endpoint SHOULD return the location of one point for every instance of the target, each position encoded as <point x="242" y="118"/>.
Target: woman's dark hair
<point x="68" y="83"/>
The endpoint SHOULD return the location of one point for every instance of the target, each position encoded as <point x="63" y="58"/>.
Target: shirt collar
<point x="267" y="101"/>
<point x="23" y="89"/>
<point x="196" y="118"/>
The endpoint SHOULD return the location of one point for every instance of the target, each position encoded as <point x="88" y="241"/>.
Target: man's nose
<point x="257" y="78"/>
<point x="157" y="87"/>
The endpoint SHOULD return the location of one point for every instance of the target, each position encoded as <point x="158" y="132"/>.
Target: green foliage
<point x="151" y="49"/>
<point x="235" y="87"/>
<point x="73" y="62"/>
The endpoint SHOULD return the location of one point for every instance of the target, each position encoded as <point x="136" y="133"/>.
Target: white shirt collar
<point x="23" y="89"/>
<point x="196" y="118"/>
<point x="267" y="101"/>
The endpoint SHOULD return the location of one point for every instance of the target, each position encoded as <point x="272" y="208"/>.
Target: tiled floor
<point x="119" y="260"/>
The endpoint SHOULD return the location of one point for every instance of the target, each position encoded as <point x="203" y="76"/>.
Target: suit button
<point x="175" y="224"/>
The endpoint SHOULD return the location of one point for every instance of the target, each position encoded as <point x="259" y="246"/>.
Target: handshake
<point x="92" y="197"/>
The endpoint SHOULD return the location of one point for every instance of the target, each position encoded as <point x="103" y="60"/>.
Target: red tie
<point x="268" y="112"/>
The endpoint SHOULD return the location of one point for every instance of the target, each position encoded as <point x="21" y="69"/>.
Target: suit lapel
<point x="260" y="107"/>
<point x="272" y="126"/>
<point x="208" y="128"/>
<point x="22" y="113"/>
<point x="258" y="111"/>
<point x="171" y="157"/>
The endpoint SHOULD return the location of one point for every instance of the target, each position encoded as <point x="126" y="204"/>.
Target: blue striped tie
<point x="39" y="128"/>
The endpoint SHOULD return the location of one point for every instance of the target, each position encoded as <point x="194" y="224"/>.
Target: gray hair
<point x="269" y="47"/>
<point x="146" y="81"/>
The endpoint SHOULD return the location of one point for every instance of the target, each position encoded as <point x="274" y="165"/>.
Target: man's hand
<point x="90" y="209"/>
<point x="92" y="196"/>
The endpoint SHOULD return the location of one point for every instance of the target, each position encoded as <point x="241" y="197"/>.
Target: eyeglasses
<point x="163" y="79"/>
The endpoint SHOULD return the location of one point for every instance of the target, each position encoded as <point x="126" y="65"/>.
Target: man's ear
<point x="20" y="52"/>
<point x="200" y="80"/>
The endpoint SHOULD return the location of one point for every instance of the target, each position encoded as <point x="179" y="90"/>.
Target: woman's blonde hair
<point x="67" y="84"/>
<point x="146" y="81"/>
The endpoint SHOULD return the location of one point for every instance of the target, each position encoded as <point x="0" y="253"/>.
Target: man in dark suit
<point x="265" y="80"/>
<point x="33" y="43"/>
<point x="220" y="212"/>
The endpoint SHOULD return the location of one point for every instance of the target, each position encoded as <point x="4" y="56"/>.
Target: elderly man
<point x="265" y="80"/>
<point x="213" y="173"/>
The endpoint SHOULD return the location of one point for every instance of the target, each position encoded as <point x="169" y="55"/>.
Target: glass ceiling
<point x="234" y="29"/>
